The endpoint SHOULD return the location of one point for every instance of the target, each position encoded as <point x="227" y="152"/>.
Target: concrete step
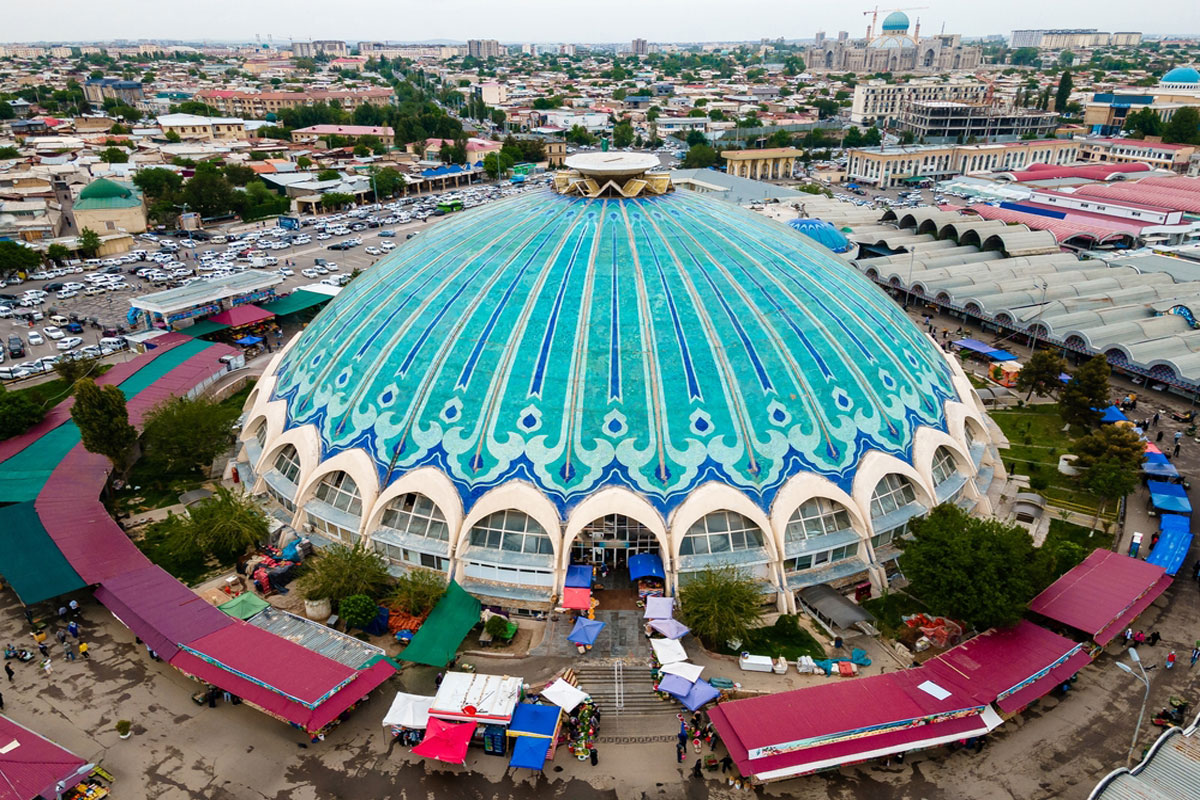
<point x="639" y="699"/>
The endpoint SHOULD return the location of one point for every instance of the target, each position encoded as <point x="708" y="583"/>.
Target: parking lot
<point x="104" y="313"/>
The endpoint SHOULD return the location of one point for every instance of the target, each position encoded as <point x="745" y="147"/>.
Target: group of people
<point x="1139" y="638"/>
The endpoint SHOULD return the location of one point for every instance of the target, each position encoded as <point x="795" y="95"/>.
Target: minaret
<point x="917" y="32"/>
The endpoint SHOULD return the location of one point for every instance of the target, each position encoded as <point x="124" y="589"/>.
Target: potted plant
<point x="124" y="728"/>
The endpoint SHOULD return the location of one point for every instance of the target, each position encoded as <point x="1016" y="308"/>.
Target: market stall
<point x="670" y="628"/>
<point x="564" y="695"/>
<point x="446" y="741"/>
<point x="647" y="573"/>
<point x="585" y="632"/>
<point x="534" y="730"/>
<point x="489" y="700"/>
<point x="668" y="651"/>
<point x="659" y="607"/>
<point x="408" y="717"/>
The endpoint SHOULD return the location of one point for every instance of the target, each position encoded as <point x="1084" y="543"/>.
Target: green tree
<point x="1109" y="479"/>
<point x="1066" y="58"/>
<point x="1117" y="443"/>
<point x="976" y="570"/>
<point x="103" y="421"/>
<point x="1143" y="123"/>
<point x="9" y="151"/>
<point x="361" y="150"/>
<point x="580" y="135"/>
<point x="1063" y="95"/>
<point x="89" y="242"/>
<point x="418" y="590"/>
<point x="700" y="156"/>
<point x="496" y="164"/>
<point x="57" y="253"/>
<point x="332" y="200"/>
<point x="196" y="107"/>
<point x="173" y="137"/>
<point x="1183" y="127"/>
<point x="228" y="524"/>
<point x="623" y="133"/>
<point x="186" y="434"/>
<point x="1084" y="397"/>
<point x="357" y="611"/>
<point x="16" y="258"/>
<point x="720" y="604"/>
<point x="18" y="413"/>
<point x="157" y="182"/>
<point x="73" y="370"/>
<point x="1023" y="56"/>
<point x="653" y="113"/>
<point x="498" y="117"/>
<point x="1040" y="375"/>
<point x="328" y="175"/>
<point x="340" y="571"/>
<point x="208" y="192"/>
<point x="239" y="174"/>
<point x="694" y="138"/>
<point x="303" y="162"/>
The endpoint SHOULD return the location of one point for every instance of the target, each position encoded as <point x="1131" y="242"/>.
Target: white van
<point x="115" y="342"/>
<point x="59" y="320"/>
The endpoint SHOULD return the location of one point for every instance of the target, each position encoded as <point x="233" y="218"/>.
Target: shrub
<point x="124" y="726"/>
<point x="357" y="611"/>
<point x="418" y="591"/>
<point x="496" y="626"/>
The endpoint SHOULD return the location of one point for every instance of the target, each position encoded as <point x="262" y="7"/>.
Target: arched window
<point x="720" y="532"/>
<point x="944" y="466"/>
<point x="260" y="434"/>
<point x="819" y="516"/>
<point x="340" y="491"/>
<point x="892" y="493"/>
<point x="413" y="532"/>
<point x="416" y="514"/>
<point x="287" y="463"/>
<point x="513" y="531"/>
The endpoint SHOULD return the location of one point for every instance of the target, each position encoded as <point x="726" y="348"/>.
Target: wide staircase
<point x="630" y="711"/>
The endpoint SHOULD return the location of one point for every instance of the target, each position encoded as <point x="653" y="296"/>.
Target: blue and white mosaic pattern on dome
<point x="653" y="343"/>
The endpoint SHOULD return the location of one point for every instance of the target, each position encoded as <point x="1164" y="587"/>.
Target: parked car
<point x="70" y="343"/>
<point x="36" y="338"/>
<point x="53" y="332"/>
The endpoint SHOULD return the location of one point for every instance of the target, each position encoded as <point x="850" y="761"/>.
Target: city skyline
<point x="548" y="21"/>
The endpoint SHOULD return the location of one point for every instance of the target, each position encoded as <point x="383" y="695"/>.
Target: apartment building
<point x="935" y="121"/>
<point x="1151" y="150"/>
<point x="314" y="133"/>
<point x="318" y="47"/>
<point x="639" y="47"/>
<point x="207" y="129"/>
<point x="1066" y="38"/>
<point x="483" y="48"/>
<point x="97" y="90"/>
<point x="881" y="102"/>
<point x="886" y="167"/>
<point x="256" y="105"/>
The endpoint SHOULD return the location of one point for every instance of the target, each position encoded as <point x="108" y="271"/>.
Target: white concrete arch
<point x="307" y="442"/>
<point x="430" y="482"/>
<point x="710" y="497"/>
<point x="260" y="397"/>
<point x="801" y="488"/>
<point x="871" y="470"/>
<point x="274" y="414"/>
<point x="926" y="441"/>
<point x="354" y="462"/>
<point x="616" y="500"/>
<point x="517" y="495"/>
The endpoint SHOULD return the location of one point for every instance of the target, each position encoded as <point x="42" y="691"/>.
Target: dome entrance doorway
<point x="606" y="544"/>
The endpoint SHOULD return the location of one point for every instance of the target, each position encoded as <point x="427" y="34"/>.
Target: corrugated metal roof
<point x="1170" y="771"/>
<point x="341" y="647"/>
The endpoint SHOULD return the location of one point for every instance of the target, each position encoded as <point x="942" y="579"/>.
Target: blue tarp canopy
<point x="1169" y="497"/>
<point x="585" y="631"/>
<point x="1174" y="541"/>
<point x="976" y="346"/>
<point x="646" y="565"/>
<point x="248" y="340"/>
<point x="534" y="720"/>
<point x="579" y="576"/>
<point x="529" y="752"/>
<point x="1158" y="465"/>
<point x="1112" y="414"/>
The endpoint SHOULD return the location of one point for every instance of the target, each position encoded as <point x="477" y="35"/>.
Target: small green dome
<point x="104" y="189"/>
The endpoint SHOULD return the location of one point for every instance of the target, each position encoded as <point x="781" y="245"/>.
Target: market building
<point x="616" y="370"/>
<point x="106" y="206"/>
<point x="886" y="167"/>
<point x="771" y="164"/>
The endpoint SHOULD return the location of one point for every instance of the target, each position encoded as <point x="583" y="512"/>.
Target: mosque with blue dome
<point x="1179" y="87"/>
<point x="610" y="367"/>
<point x="894" y="45"/>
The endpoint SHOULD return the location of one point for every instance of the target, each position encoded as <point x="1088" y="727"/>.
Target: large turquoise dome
<point x="1182" y="75"/>
<point x="896" y="21"/>
<point x="575" y="343"/>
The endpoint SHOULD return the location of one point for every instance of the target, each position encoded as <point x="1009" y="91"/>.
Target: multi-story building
<point x="935" y="121"/>
<point x="886" y="167"/>
<point x="208" y="129"/>
<point x="492" y="93"/>
<point x="1066" y="38"/>
<point x="639" y="47"/>
<point x="881" y="102"/>
<point x="894" y="49"/>
<point x="257" y="105"/>
<point x="1151" y="150"/>
<point x="1105" y="114"/>
<point x="60" y="52"/>
<point x="318" y="47"/>
<point x="97" y="90"/>
<point x="483" y="48"/>
<point x="314" y="133"/>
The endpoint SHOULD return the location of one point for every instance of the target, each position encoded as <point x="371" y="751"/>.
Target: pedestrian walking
<point x="29" y="613"/>
<point x="1" y="702"/>
<point x="61" y="635"/>
<point x="74" y="606"/>
<point x="1171" y="660"/>
<point x="1195" y="656"/>
<point x="1154" y="637"/>
<point x="83" y="650"/>
<point x="8" y="670"/>
<point x="46" y="666"/>
<point x="1139" y="638"/>
<point x="696" y="768"/>
<point x="1154" y="419"/>
<point x="70" y="648"/>
<point x="45" y="651"/>
<point x="1158" y="438"/>
<point x="1175" y="451"/>
<point x="73" y="629"/>
<point x="726" y="764"/>
<point x="680" y="752"/>
<point x="1128" y="636"/>
<point x="594" y="755"/>
<point x="62" y="612"/>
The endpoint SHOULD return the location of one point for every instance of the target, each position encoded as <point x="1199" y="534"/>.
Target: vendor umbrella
<point x="585" y="631"/>
<point x="670" y="628"/>
<point x="446" y="741"/>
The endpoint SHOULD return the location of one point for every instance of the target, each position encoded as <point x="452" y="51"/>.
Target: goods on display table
<point x="646" y="571"/>
<point x="583" y="725"/>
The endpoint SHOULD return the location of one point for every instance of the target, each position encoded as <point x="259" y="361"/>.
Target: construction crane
<point x="874" y="14"/>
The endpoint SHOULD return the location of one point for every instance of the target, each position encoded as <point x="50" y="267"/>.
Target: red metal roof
<point x="31" y="765"/>
<point x="1153" y="194"/>
<point x="1130" y="614"/>
<point x="1042" y="686"/>
<point x="1099" y="592"/>
<point x="241" y="315"/>
<point x="1101" y="171"/>
<point x="1179" y="182"/>
<point x="299" y="674"/>
<point x="164" y="611"/>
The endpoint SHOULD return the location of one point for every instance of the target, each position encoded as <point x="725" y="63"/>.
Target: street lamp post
<point x="1133" y="655"/>
<point x="1037" y="318"/>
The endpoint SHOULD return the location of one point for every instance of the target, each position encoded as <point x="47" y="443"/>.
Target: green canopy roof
<point x="244" y="606"/>
<point x="202" y="328"/>
<point x="438" y="639"/>
<point x="296" y="301"/>
<point x="32" y="562"/>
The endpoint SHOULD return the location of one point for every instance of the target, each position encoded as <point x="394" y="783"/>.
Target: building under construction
<point x="946" y="121"/>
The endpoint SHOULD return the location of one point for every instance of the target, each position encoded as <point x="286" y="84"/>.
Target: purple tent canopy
<point x="659" y="607"/>
<point x="675" y="685"/>
<point x="692" y="695"/>
<point x="670" y="628"/>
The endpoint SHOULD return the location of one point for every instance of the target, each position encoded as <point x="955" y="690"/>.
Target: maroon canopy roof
<point x="238" y="316"/>
<point x="1100" y="593"/>
<point x="31" y="765"/>
<point x="159" y="609"/>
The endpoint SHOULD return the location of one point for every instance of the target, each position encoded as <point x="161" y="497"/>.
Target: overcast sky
<point x="558" y="20"/>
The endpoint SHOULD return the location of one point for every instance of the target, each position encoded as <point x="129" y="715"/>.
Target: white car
<point x="373" y="251"/>
<point x="385" y="246"/>
<point x="323" y="236"/>
<point x="310" y="273"/>
<point x="285" y="272"/>
<point x="53" y="332"/>
<point x="330" y="265"/>
<point x="67" y="294"/>
<point x="92" y="291"/>
<point x="35" y="338"/>
<point x="69" y="343"/>
<point x="72" y="286"/>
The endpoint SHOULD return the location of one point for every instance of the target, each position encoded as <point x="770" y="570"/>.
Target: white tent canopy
<point x="668" y="651"/>
<point x="408" y="711"/>
<point x="564" y="695"/>
<point x="659" y="607"/>
<point x="685" y="669"/>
